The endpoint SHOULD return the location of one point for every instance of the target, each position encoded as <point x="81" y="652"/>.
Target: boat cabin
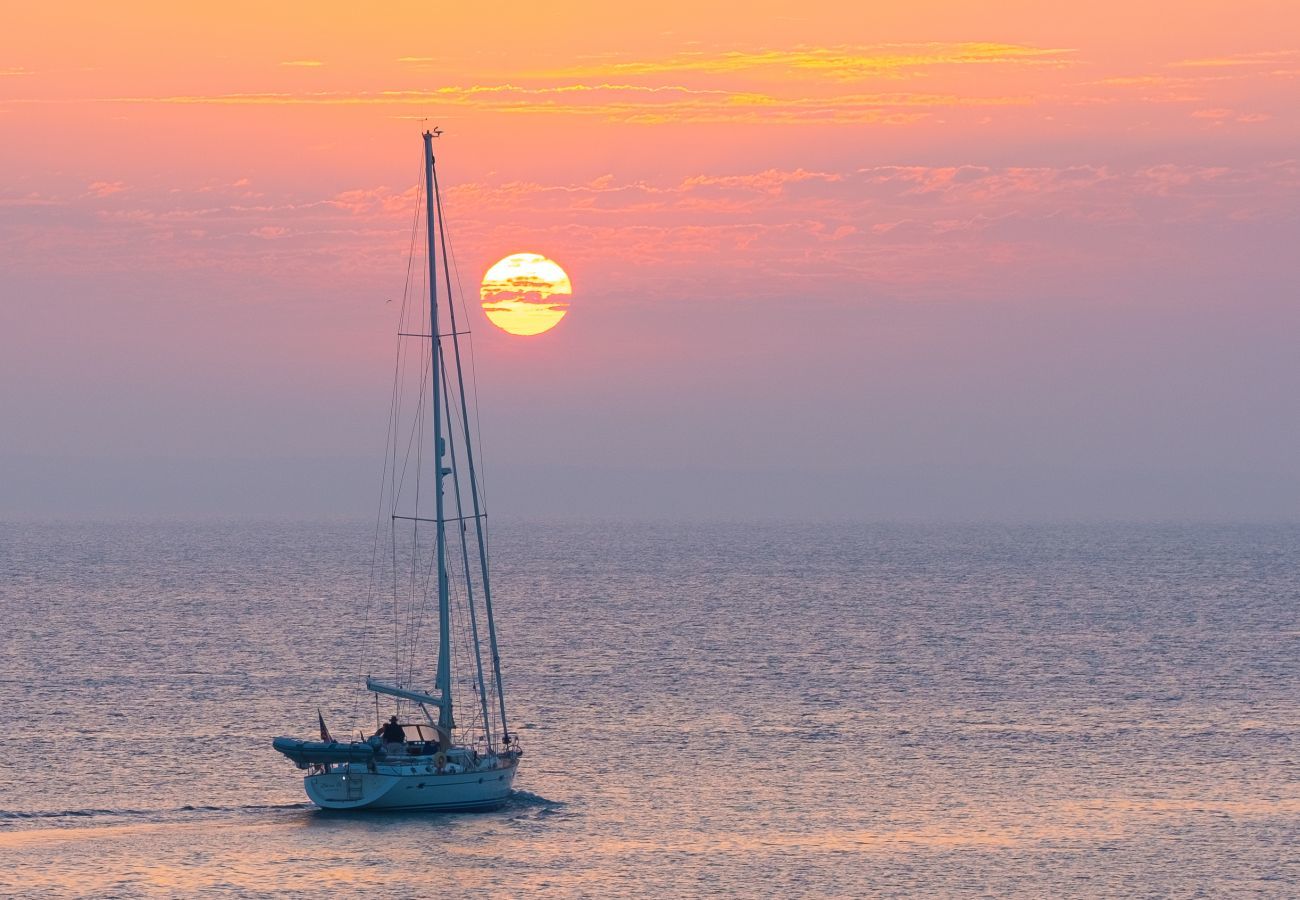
<point x="421" y="738"/>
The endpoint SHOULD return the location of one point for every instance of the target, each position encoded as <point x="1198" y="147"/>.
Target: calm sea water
<point x="730" y="710"/>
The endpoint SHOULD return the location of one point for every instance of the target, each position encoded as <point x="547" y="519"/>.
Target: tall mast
<point x="445" y="720"/>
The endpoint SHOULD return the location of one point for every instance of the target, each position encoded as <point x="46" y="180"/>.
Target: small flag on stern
<point x="324" y="732"/>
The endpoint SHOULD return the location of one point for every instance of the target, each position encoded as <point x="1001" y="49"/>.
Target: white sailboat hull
<point x="409" y="787"/>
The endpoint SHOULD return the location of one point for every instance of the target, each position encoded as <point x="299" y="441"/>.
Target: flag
<point x="324" y="732"/>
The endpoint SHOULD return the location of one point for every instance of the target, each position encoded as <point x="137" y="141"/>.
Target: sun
<point x="525" y="293"/>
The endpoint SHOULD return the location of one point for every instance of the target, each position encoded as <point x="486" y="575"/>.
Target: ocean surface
<point x="707" y="710"/>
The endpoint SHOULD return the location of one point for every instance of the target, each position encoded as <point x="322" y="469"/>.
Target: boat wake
<point x="522" y="799"/>
<point x="57" y="816"/>
<point x="9" y="819"/>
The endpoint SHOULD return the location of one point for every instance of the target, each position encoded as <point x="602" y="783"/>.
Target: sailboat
<point x="436" y="566"/>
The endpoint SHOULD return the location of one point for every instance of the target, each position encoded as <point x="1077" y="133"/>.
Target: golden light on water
<point x="525" y="293"/>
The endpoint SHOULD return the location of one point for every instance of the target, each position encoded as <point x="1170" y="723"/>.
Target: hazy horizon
<point x="97" y="489"/>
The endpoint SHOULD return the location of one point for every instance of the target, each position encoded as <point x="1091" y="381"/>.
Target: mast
<point x="445" y="719"/>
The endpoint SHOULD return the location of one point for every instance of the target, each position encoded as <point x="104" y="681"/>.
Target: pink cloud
<point x="939" y="228"/>
<point x="105" y="188"/>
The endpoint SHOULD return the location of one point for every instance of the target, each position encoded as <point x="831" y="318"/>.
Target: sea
<point x="707" y="710"/>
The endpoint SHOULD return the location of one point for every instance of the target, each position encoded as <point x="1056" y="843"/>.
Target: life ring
<point x="440" y="760"/>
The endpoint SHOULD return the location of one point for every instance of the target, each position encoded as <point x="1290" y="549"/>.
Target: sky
<point x="935" y="260"/>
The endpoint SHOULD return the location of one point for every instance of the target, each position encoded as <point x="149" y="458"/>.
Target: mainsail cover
<point x="315" y="753"/>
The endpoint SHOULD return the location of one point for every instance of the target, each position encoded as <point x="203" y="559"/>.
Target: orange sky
<point x="242" y="176"/>
<point x="806" y="125"/>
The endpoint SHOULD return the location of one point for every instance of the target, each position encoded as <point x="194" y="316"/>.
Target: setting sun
<point x="525" y="293"/>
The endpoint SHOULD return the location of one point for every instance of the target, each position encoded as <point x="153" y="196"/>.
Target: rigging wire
<point x="478" y="506"/>
<point x="464" y="550"/>
<point x="390" y="432"/>
<point x="412" y="440"/>
<point x="449" y="255"/>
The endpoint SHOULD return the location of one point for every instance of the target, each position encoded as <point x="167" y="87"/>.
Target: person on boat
<point x="393" y="733"/>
